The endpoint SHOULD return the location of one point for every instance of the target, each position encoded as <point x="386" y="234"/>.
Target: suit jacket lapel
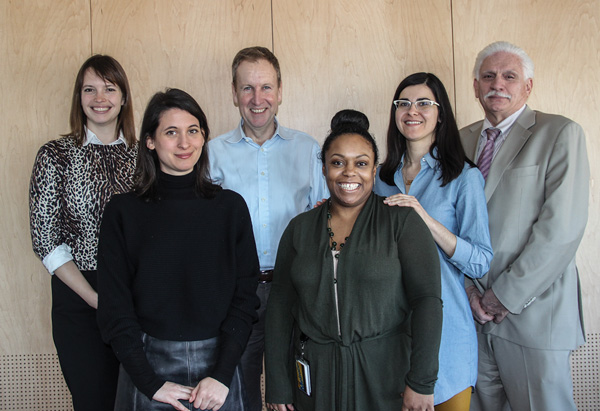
<point x="516" y="139"/>
<point x="470" y="142"/>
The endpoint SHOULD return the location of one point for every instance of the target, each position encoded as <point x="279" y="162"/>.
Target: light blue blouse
<point x="460" y="206"/>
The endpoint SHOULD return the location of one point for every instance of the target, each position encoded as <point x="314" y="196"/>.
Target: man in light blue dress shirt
<point x="278" y="172"/>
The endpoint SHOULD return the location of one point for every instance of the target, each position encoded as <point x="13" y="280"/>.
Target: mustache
<point x="497" y="93"/>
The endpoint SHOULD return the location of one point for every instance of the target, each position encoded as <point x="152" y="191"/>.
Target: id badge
<point x="303" y="375"/>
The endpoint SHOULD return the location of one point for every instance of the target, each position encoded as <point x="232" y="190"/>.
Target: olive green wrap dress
<point x="388" y="288"/>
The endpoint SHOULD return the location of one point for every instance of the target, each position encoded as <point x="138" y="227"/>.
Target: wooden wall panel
<point x="562" y="38"/>
<point x="341" y="54"/>
<point x="42" y="46"/>
<point x="187" y="44"/>
<point x="335" y="54"/>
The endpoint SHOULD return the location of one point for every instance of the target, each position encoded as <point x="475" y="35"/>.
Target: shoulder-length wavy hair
<point x="108" y="69"/>
<point x="148" y="164"/>
<point x="450" y="152"/>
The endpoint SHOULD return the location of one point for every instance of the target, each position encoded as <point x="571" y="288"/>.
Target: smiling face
<point x="101" y="102"/>
<point x="417" y="125"/>
<point x="257" y="94"/>
<point x="350" y="170"/>
<point x="178" y="142"/>
<point x="502" y="88"/>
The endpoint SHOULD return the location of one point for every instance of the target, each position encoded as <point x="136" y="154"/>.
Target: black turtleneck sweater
<point x="182" y="268"/>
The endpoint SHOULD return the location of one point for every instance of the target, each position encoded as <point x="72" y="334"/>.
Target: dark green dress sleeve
<point x="422" y="282"/>
<point x="279" y="325"/>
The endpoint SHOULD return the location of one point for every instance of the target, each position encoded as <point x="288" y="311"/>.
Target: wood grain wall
<point x="43" y="45"/>
<point x="334" y="54"/>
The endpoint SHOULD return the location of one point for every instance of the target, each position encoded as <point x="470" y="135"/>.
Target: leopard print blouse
<point x="70" y="185"/>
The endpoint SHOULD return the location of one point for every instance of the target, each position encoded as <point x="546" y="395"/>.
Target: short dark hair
<point x="148" y="164"/>
<point x="450" y="152"/>
<point x="254" y="54"/>
<point x="108" y="69"/>
<point x="349" y="122"/>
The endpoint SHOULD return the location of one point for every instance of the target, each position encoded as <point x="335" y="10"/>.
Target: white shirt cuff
<point x="59" y="256"/>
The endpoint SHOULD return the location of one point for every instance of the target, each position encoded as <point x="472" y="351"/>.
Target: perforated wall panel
<point x="33" y="382"/>
<point x="585" y="367"/>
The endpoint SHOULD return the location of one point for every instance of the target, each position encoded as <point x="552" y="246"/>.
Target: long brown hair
<point x="108" y="69"/>
<point x="450" y="152"/>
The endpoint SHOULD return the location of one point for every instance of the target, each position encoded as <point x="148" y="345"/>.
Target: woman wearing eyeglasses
<point x="426" y="169"/>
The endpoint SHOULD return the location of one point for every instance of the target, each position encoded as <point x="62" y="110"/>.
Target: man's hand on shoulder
<point x="322" y="201"/>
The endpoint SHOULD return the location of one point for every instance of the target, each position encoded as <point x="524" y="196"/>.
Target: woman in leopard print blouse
<point x="72" y="180"/>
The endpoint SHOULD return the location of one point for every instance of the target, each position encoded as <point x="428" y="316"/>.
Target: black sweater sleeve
<point x="237" y="326"/>
<point x="116" y="314"/>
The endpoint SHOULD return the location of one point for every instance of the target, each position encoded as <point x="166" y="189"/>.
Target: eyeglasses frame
<point x="428" y="104"/>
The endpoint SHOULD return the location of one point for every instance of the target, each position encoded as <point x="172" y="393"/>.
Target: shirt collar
<point x="92" y="138"/>
<point x="505" y="125"/>
<point x="431" y="162"/>
<point x="237" y="137"/>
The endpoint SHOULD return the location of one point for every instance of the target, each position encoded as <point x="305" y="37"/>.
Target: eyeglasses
<point x="420" y="105"/>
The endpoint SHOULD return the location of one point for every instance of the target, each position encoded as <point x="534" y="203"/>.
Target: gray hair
<point x="506" y="47"/>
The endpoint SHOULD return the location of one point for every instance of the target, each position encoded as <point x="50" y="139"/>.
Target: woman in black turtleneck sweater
<point x="177" y="270"/>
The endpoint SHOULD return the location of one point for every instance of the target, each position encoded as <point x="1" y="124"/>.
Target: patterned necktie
<point x="485" y="159"/>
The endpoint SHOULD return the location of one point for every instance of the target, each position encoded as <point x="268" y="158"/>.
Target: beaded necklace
<point x="333" y="244"/>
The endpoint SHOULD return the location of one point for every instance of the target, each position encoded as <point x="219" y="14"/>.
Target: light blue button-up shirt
<point x="279" y="180"/>
<point x="460" y="207"/>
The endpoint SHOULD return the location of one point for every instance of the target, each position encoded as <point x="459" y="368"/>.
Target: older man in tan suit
<point x="529" y="303"/>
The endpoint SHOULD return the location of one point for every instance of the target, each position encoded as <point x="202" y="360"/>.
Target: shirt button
<point x="264" y="226"/>
<point x="262" y="199"/>
<point x="262" y="173"/>
<point x="265" y="252"/>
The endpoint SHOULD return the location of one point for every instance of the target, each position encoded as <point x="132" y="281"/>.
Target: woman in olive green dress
<point x="349" y="277"/>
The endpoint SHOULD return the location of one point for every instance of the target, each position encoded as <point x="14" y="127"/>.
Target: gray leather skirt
<point x="182" y="362"/>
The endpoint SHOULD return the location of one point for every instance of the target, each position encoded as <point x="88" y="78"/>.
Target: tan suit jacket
<point x="537" y="197"/>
